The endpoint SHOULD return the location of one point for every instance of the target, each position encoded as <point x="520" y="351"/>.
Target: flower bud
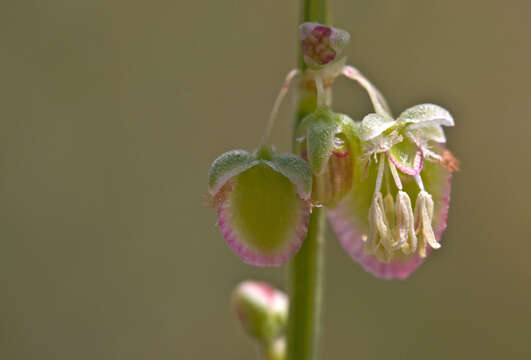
<point x="321" y="44"/>
<point x="261" y="309"/>
<point x="327" y="143"/>
<point x="262" y="201"/>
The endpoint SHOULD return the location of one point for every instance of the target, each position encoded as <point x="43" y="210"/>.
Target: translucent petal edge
<point x="253" y="257"/>
<point x="228" y="165"/>
<point x="426" y="113"/>
<point x="344" y="224"/>
<point x="373" y="125"/>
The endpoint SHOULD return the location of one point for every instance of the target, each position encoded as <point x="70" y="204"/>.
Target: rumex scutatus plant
<point x="384" y="180"/>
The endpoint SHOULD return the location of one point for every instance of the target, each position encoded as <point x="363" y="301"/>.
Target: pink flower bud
<point x="261" y="309"/>
<point x="321" y="44"/>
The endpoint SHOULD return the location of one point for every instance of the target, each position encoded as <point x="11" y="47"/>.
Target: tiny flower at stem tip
<point x="321" y="44"/>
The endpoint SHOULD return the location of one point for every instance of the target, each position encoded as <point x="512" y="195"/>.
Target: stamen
<point x="396" y="177"/>
<point x="419" y="182"/>
<point x="379" y="239"/>
<point x="389" y="207"/>
<point x="405" y="224"/>
<point x="430" y="155"/>
<point x="423" y="223"/>
<point x="380" y="174"/>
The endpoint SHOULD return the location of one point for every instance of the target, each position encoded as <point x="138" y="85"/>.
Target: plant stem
<point x="306" y="268"/>
<point x="306" y="291"/>
<point x="312" y="11"/>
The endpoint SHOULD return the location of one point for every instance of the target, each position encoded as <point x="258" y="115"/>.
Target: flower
<point x="327" y="140"/>
<point x="321" y="44"/>
<point x="376" y="223"/>
<point x="262" y="200"/>
<point x="261" y="309"/>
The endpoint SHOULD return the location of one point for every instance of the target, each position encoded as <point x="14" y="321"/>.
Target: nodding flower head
<point x="261" y="309"/>
<point x="262" y="200"/>
<point x="321" y="44"/>
<point x="327" y="141"/>
<point x="376" y="223"/>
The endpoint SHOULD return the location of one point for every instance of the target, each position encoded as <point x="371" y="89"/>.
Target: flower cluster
<point x="366" y="173"/>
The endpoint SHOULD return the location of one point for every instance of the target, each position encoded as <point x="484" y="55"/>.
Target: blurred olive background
<point x="112" y="111"/>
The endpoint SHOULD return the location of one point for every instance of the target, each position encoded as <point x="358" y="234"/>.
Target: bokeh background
<point x="112" y="111"/>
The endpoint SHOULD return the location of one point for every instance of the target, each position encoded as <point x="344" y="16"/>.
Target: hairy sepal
<point x="296" y="170"/>
<point x="426" y="113"/>
<point x="422" y="133"/>
<point x="373" y="125"/>
<point x="228" y="165"/>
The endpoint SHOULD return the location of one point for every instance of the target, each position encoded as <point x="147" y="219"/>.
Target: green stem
<point x="274" y="350"/>
<point x="312" y="11"/>
<point x="306" y="291"/>
<point x="306" y="268"/>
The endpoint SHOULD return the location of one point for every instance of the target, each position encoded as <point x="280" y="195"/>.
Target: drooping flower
<point x="262" y="200"/>
<point x="327" y="141"/>
<point x="386" y="236"/>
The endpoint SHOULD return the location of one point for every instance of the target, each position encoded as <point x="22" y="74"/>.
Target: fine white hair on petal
<point x="426" y="112"/>
<point x="373" y="125"/>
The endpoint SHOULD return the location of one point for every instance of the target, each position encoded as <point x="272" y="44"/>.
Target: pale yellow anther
<point x="390" y="242"/>
<point x="394" y="228"/>
<point x="380" y="238"/>
<point x="423" y="223"/>
<point x="405" y="224"/>
<point x="389" y="206"/>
